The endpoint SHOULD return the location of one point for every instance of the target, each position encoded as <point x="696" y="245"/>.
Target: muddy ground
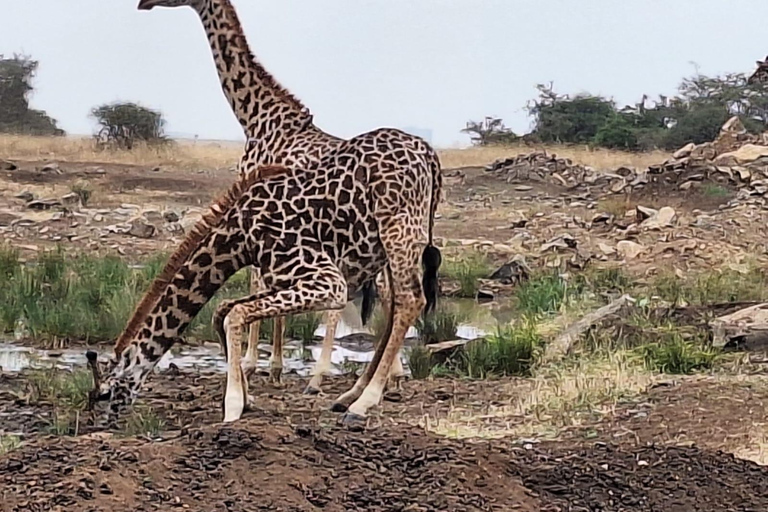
<point x="672" y="448"/>
<point x="663" y="451"/>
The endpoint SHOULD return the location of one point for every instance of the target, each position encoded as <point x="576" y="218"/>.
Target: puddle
<point x="354" y="343"/>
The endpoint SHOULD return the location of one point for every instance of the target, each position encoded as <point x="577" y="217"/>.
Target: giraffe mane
<point x="202" y="228"/>
<point x="264" y="75"/>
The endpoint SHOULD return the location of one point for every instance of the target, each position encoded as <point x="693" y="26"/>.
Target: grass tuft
<point x="8" y="443"/>
<point x="466" y="270"/>
<point x="144" y="422"/>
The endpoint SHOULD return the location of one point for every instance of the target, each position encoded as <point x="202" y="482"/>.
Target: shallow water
<point x="354" y="343"/>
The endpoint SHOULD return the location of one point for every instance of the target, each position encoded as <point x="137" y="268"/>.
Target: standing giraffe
<point x="315" y="235"/>
<point x="279" y="130"/>
<point x="760" y="76"/>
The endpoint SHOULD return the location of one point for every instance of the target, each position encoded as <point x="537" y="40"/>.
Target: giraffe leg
<point x="251" y="361"/>
<point x="276" y="359"/>
<point x="319" y="288"/>
<point x="236" y="393"/>
<point x="323" y="364"/>
<point x="397" y="371"/>
<point x="408" y="300"/>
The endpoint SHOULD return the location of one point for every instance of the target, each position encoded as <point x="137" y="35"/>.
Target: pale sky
<point x="362" y="64"/>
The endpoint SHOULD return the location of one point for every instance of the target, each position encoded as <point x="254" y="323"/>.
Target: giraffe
<point x="760" y="76"/>
<point x="316" y="235"/>
<point x="279" y="130"/>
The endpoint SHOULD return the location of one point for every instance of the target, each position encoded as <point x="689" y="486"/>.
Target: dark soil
<point x="265" y="464"/>
<point x="290" y="455"/>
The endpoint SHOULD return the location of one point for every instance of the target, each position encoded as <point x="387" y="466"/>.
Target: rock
<point x="629" y="250"/>
<point x="645" y="213"/>
<point x="745" y="154"/>
<point x="684" y="151"/>
<point x="52" y="167"/>
<point x="7" y="218"/>
<point x="523" y="188"/>
<point x="665" y="217"/>
<point x="561" y="242"/>
<point x="171" y="216"/>
<point x="606" y="249"/>
<point x="26" y="195"/>
<point x="70" y="199"/>
<point x="43" y="204"/>
<point x="513" y="272"/>
<point x="152" y="216"/>
<point x="142" y="229"/>
<point x="98" y="217"/>
<point x="5" y="165"/>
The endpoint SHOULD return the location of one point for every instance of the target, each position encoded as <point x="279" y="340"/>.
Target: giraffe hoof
<point x="311" y="390"/>
<point x="353" y="422"/>
<point x="276" y="377"/>
<point x="339" y="407"/>
<point x="250" y="404"/>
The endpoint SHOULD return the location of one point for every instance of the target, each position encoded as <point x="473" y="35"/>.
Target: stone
<point x="70" y="199"/>
<point x="606" y="249"/>
<point x="141" y="228"/>
<point x="171" y="216"/>
<point x="26" y="195"/>
<point x="629" y="250"/>
<point x="43" y="204"/>
<point x="512" y="272"/>
<point x="5" y="165"/>
<point x="52" y="167"/>
<point x="684" y="151"/>
<point x="665" y="217"/>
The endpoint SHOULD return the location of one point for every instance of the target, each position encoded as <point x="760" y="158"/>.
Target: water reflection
<point x="353" y="343"/>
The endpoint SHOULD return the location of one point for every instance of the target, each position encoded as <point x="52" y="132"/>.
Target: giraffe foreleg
<point x="320" y="287"/>
<point x="323" y="365"/>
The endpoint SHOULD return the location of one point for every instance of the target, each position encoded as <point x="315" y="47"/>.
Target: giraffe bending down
<point x="280" y="130"/>
<point x="315" y="235"/>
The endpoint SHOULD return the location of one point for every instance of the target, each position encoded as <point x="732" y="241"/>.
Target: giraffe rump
<point x="179" y="257"/>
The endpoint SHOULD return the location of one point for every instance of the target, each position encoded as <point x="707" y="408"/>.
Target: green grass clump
<point x="442" y="325"/>
<point x="419" y="361"/>
<point x="8" y="443"/>
<point x="144" y="422"/>
<point x="677" y="355"/>
<point x="65" y="391"/>
<point x="511" y="350"/>
<point x="606" y="280"/>
<point x="87" y="297"/>
<point x="466" y="270"/>
<point x="712" y="287"/>
<point x="544" y="294"/>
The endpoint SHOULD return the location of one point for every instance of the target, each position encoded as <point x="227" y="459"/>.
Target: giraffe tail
<point x="369" y="301"/>
<point x="431" y="257"/>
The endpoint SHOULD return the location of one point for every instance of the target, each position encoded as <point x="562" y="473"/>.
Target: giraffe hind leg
<point x="276" y="359"/>
<point x="406" y="302"/>
<point x="323" y="365"/>
<point x="251" y="361"/>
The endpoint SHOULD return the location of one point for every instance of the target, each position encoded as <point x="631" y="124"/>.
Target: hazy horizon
<point x="360" y="65"/>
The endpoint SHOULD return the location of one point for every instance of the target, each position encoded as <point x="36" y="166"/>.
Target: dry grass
<point x="757" y="447"/>
<point x="600" y="159"/>
<point x="555" y="398"/>
<point x="201" y="155"/>
<point x="184" y="155"/>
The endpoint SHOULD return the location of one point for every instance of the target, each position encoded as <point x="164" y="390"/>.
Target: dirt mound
<point x="266" y="464"/>
<point x="261" y="465"/>
<point x="673" y="479"/>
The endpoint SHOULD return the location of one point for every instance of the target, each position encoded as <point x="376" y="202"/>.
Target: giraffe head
<point x="117" y="384"/>
<point x="146" y="5"/>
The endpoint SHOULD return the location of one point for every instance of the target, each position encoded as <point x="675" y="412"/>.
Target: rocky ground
<point x="679" y="444"/>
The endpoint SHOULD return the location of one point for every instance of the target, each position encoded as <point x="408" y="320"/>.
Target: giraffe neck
<point x="216" y="259"/>
<point x="262" y="106"/>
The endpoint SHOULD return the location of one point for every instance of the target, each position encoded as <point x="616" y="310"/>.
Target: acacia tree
<point x="124" y="124"/>
<point x="16" y="116"/>
<point x="489" y="131"/>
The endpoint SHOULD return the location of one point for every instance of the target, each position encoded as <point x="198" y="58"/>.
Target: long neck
<point x="216" y="259"/>
<point x="262" y="106"/>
